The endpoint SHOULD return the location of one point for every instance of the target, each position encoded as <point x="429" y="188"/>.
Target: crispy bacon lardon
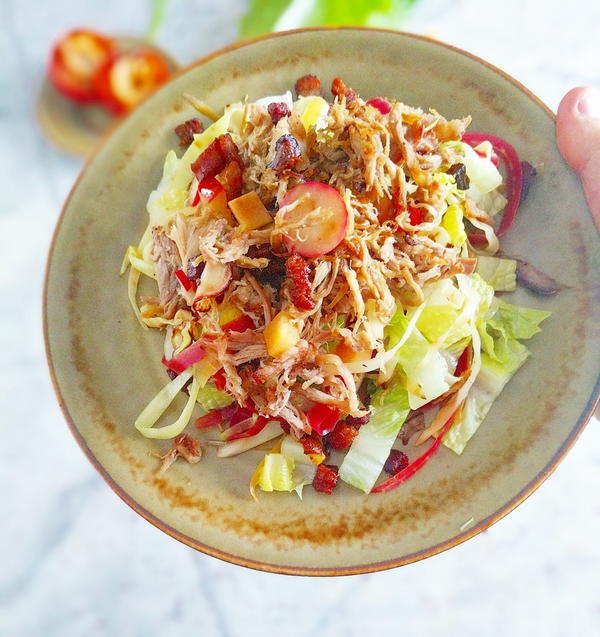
<point x="307" y="85"/>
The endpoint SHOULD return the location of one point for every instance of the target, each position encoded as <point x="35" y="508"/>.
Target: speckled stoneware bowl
<point x="106" y="368"/>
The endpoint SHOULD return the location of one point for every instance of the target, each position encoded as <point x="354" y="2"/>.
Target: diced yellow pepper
<point x="281" y="334"/>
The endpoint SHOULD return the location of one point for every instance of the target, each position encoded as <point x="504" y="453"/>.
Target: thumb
<point x="578" y="137"/>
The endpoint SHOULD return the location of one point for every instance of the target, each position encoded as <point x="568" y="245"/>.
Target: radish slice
<point x="312" y="219"/>
<point x="214" y="279"/>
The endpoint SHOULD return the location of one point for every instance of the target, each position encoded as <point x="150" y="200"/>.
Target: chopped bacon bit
<point x="298" y="272"/>
<point x="277" y="110"/>
<point x="397" y="460"/>
<point x="339" y="89"/>
<point x="217" y="155"/>
<point x="312" y="446"/>
<point x="342" y="436"/>
<point x="187" y="130"/>
<point x="357" y="422"/>
<point x="287" y="153"/>
<point x="231" y="180"/>
<point x="308" y="85"/>
<point x="186" y="447"/>
<point x="325" y="478"/>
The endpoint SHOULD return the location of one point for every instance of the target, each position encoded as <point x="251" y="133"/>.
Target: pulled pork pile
<point x="382" y="158"/>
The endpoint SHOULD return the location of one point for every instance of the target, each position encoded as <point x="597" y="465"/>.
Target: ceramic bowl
<point x="106" y="368"/>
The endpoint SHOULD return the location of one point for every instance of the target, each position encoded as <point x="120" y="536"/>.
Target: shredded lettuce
<point x="483" y="175"/>
<point x="502" y="356"/>
<point x="210" y="398"/>
<point x="487" y="387"/>
<point x="154" y="410"/>
<point x="276" y="473"/>
<point x="288" y="469"/>
<point x="501" y="274"/>
<point x="371" y="447"/>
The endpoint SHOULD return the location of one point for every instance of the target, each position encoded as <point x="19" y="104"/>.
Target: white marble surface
<point x="76" y="561"/>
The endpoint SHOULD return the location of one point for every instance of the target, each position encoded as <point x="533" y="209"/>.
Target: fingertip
<point x="578" y="125"/>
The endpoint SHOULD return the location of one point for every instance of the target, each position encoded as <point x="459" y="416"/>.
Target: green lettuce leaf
<point x="501" y="274"/>
<point x="210" y="398"/>
<point x="502" y="356"/>
<point x="427" y="372"/>
<point x="371" y="447"/>
<point x="264" y="16"/>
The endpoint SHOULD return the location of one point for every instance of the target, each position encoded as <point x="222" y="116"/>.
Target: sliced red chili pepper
<point x="219" y="379"/>
<point x="187" y="284"/>
<point x="323" y="418"/>
<point x="216" y="417"/>
<point x="75" y="62"/>
<point x="257" y="427"/>
<point x="129" y="77"/>
<point x="514" y="179"/>
<point x="415" y="465"/>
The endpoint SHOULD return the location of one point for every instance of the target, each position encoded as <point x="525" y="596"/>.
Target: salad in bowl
<point x="329" y="285"/>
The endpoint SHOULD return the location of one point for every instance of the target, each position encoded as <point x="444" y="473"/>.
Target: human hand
<point x="578" y="137"/>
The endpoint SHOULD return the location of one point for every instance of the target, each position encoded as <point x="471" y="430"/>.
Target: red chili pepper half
<point x="75" y="62"/>
<point x="128" y="78"/>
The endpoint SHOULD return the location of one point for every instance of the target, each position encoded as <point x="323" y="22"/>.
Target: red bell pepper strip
<point x="323" y="418"/>
<point x="76" y="60"/>
<point x="257" y="427"/>
<point x="219" y="379"/>
<point x="239" y="324"/>
<point x="185" y="358"/>
<point x="216" y="417"/>
<point x="514" y="179"/>
<point x="415" y="465"/>
<point x="183" y="279"/>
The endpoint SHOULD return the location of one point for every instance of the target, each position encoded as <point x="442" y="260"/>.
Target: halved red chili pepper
<point x="183" y="279"/>
<point x="75" y="62"/>
<point x="209" y="188"/>
<point x="257" y="427"/>
<point x="514" y="179"/>
<point x="323" y="418"/>
<point x="128" y="78"/>
<point x="216" y="417"/>
<point x="415" y="465"/>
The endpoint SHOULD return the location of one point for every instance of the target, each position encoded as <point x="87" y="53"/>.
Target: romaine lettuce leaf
<point x="369" y="450"/>
<point x="501" y="274"/>
<point x="483" y="175"/>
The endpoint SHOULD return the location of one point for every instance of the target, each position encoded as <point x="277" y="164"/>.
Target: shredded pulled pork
<point x="383" y="166"/>
<point x="183" y="446"/>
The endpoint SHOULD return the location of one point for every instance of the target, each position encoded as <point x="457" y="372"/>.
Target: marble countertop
<point x="77" y="561"/>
